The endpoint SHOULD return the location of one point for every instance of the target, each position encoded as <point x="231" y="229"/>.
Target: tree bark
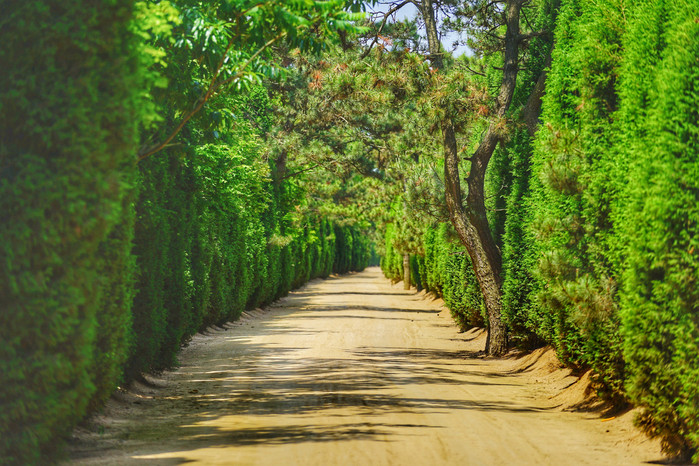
<point x="471" y="222"/>
<point x="532" y="109"/>
<point x="406" y="271"/>
<point x="280" y="168"/>
<point x="474" y="232"/>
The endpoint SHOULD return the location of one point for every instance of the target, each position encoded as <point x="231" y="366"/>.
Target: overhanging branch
<point x="298" y="172"/>
<point x="212" y="89"/>
<point x="383" y="24"/>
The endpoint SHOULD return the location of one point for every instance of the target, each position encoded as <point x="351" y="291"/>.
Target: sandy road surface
<point x="349" y="370"/>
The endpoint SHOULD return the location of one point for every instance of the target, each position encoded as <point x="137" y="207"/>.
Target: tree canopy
<point x="165" y="165"/>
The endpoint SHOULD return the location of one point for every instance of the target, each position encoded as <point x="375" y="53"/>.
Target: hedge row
<point x="611" y="217"/>
<point x="599" y="239"/>
<point x="108" y="266"/>
<point x="68" y="96"/>
<point x="444" y="269"/>
<point x="206" y="253"/>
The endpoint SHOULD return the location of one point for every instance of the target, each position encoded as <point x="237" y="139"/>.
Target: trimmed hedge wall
<point x="599" y="236"/>
<point x="613" y="207"/>
<point x="659" y="219"/>
<point x="68" y="97"/>
<point x="108" y="266"/>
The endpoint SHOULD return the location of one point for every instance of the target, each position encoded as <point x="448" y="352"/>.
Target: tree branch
<point x="212" y="89"/>
<point x="494" y="36"/>
<point x="383" y="23"/>
<point x="475" y="72"/>
<point x="298" y="172"/>
<point x="531" y="35"/>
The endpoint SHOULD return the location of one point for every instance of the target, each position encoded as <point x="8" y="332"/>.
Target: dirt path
<point x="352" y="370"/>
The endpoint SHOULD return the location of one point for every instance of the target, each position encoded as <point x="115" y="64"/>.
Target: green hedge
<point x="68" y="119"/>
<point x="613" y="207"/>
<point x="450" y="274"/>
<point x="110" y="266"/>
<point x="214" y="237"/>
<point x="445" y="270"/>
<point x="392" y="259"/>
<point x="660" y="220"/>
<point x="569" y="223"/>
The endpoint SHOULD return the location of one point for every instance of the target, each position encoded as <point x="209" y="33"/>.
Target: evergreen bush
<point x="69" y="107"/>
<point x="660" y="296"/>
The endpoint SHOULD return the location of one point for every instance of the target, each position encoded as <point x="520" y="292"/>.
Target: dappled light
<point x="288" y="387"/>
<point x="349" y="231"/>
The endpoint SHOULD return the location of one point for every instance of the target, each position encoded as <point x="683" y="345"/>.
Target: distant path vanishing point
<point x="347" y="371"/>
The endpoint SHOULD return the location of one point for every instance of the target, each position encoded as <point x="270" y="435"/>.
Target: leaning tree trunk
<point x="471" y="222"/>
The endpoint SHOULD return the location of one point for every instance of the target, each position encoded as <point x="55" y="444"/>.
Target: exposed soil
<point x="352" y="370"/>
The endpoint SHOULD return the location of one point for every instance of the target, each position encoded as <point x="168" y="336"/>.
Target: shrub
<point x="68" y="138"/>
<point x="660" y="314"/>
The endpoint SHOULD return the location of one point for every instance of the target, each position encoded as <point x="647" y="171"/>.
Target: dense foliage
<point x="109" y="266"/>
<point x="611" y="207"/>
<point x="658" y="219"/>
<point x="593" y="209"/>
<point x="68" y="119"/>
<point x="165" y="165"/>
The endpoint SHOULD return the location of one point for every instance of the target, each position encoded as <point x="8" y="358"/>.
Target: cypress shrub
<point x="462" y="294"/>
<point x="343" y="249"/>
<point x="329" y="246"/>
<point x="68" y="125"/>
<point x="392" y="260"/>
<point x="258" y="260"/>
<point x="660" y="296"/>
<point x="117" y="275"/>
<point x="304" y="255"/>
<point x="432" y="277"/>
<point x="417" y="271"/>
<point x="518" y="259"/>
<point x="318" y="244"/>
<point x="446" y="270"/>
<point x="181" y="217"/>
<point x="361" y="249"/>
<point x="200" y="259"/>
<point x="285" y="272"/>
<point x="517" y="244"/>
<point x="151" y="247"/>
<point x="573" y="193"/>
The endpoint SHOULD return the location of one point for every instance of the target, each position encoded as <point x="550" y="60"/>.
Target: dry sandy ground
<point x="354" y="371"/>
